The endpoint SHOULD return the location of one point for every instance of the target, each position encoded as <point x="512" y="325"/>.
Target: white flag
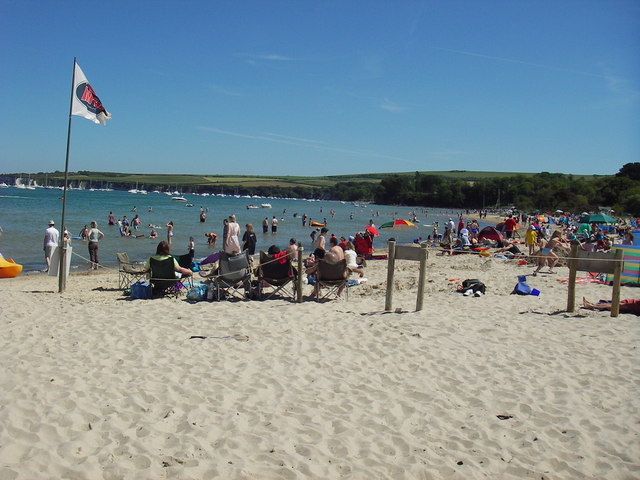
<point x="85" y="101"/>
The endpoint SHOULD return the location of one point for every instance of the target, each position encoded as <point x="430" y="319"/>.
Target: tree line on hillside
<point x="543" y="191"/>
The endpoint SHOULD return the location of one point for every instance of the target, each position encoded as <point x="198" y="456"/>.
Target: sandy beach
<point x="98" y="386"/>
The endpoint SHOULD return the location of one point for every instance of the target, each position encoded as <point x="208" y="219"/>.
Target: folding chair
<point x="279" y="276"/>
<point x="233" y="274"/>
<point x="163" y="277"/>
<point x="129" y="272"/>
<point x="185" y="261"/>
<point x="332" y="275"/>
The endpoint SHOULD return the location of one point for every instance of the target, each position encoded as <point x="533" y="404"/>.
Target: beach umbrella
<point x="398" y="224"/>
<point x="584" y="228"/>
<point x="598" y="218"/>
<point x="372" y="230"/>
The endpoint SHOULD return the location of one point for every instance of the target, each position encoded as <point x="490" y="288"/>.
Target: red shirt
<point x="510" y="225"/>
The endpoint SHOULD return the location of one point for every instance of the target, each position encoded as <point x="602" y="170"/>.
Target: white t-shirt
<point x="51" y="236"/>
<point x="350" y="256"/>
<point x="464" y="233"/>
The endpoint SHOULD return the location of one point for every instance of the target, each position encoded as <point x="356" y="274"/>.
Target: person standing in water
<point x="51" y="237"/>
<point x="169" y="232"/>
<point x="249" y="240"/>
<point x="94" y="237"/>
<point x="231" y="242"/>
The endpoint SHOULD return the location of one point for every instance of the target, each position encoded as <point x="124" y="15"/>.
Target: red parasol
<point x="372" y="230"/>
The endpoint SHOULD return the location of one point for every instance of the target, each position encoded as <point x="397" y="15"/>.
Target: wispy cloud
<point x="620" y="86"/>
<point x="520" y="62"/>
<point x="296" y="139"/>
<point x="300" y="142"/>
<point x="385" y="104"/>
<point x="271" y="57"/>
<point x="391" y="106"/>
<point x="275" y="58"/>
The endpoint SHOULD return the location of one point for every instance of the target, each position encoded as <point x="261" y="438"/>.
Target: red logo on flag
<point x="86" y="96"/>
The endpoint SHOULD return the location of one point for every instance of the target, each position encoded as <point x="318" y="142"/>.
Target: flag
<point x="85" y="102"/>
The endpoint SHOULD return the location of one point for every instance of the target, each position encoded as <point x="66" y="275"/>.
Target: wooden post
<point x="62" y="267"/>
<point x="617" y="273"/>
<point x="573" y="263"/>
<point x="423" y="269"/>
<point x="390" y="267"/>
<point x="300" y="273"/>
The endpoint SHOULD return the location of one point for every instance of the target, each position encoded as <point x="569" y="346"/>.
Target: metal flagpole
<point x="62" y="268"/>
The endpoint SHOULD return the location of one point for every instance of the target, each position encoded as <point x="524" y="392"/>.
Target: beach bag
<point x="474" y="285"/>
<point x="197" y="293"/>
<point x="140" y="290"/>
<point x="521" y="287"/>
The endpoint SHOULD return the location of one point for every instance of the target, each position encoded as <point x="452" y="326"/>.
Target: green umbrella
<point x="585" y="227"/>
<point x="598" y="218"/>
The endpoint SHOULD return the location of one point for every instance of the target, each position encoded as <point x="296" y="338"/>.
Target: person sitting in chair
<point x="275" y="252"/>
<point x="352" y="262"/>
<point x="335" y="253"/>
<point x="330" y="257"/>
<point x="162" y="253"/>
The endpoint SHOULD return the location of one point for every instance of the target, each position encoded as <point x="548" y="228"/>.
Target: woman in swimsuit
<point x="169" y="232"/>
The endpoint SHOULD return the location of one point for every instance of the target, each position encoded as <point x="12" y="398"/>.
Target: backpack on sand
<point x="473" y="284"/>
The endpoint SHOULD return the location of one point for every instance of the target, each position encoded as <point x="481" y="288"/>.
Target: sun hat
<point x="51" y="222"/>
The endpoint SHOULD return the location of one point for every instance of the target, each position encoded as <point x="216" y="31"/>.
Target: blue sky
<point x="323" y="87"/>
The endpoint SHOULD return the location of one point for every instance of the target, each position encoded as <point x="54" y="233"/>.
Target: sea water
<point x="24" y="215"/>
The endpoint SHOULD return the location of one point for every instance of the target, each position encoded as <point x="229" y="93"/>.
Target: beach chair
<point x="185" y="261"/>
<point x="278" y="276"/>
<point x="333" y="276"/>
<point x="233" y="274"/>
<point x="163" y="277"/>
<point x="130" y="272"/>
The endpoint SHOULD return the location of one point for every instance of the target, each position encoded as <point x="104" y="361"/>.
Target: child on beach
<point x="548" y="254"/>
<point x="192" y="247"/>
<point x="530" y="238"/>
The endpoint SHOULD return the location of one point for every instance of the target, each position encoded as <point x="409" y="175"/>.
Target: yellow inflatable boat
<point x="9" y="268"/>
